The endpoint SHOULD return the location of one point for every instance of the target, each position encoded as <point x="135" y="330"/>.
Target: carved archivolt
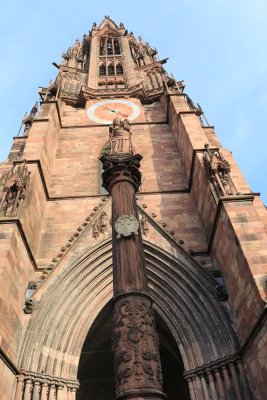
<point x="183" y="295"/>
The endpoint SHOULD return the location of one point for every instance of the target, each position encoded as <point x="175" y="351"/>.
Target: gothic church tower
<point x="201" y="230"/>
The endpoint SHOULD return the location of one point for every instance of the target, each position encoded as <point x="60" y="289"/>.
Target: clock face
<point x="103" y="112"/>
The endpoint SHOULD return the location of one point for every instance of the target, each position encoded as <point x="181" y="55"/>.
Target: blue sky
<point x="219" y="47"/>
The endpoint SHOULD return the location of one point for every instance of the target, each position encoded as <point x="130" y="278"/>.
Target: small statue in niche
<point x="15" y="189"/>
<point x="28" y="120"/>
<point x="218" y="170"/>
<point x="103" y="222"/>
<point x="144" y="225"/>
<point x="120" y="137"/>
<point x="100" y="225"/>
<point x="95" y="229"/>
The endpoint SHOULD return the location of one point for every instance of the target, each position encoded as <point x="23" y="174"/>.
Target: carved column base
<point x="135" y="348"/>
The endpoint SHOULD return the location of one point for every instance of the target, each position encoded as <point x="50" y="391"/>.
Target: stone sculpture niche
<point x="16" y="186"/>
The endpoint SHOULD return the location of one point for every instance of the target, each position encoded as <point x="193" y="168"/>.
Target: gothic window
<point x="110" y="62"/>
<point x="119" y="69"/>
<point x="111" y="70"/>
<point x="109" y="47"/>
<point x="102" y="70"/>
<point x="102" y="47"/>
<point x="116" y="47"/>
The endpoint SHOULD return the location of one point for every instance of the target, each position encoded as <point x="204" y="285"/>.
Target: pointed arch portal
<point x="95" y="371"/>
<point x="73" y="322"/>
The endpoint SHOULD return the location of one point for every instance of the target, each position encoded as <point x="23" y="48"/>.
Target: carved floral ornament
<point x="16" y="185"/>
<point x="135" y="346"/>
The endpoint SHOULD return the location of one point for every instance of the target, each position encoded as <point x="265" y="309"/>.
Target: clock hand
<point x="116" y="112"/>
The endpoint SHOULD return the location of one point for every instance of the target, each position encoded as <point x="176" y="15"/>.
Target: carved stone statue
<point x="100" y="225"/>
<point x="218" y="170"/>
<point x="144" y="225"/>
<point x="120" y="137"/>
<point x="15" y="189"/>
<point x="103" y="222"/>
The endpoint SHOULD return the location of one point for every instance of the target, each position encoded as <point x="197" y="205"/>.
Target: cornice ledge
<point x="6" y="221"/>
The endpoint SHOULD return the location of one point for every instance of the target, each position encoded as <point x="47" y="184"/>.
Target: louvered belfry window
<point x="111" y="71"/>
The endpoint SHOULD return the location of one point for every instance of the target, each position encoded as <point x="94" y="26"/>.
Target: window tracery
<point x="111" y="71"/>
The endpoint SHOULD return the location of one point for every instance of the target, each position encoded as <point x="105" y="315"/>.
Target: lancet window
<point x="111" y="71"/>
<point x="119" y="69"/>
<point x="109" y="46"/>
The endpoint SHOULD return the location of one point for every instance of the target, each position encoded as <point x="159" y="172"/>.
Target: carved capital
<point x="121" y="169"/>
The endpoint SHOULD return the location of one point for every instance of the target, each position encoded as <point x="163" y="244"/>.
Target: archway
<point x="95" y="372"/>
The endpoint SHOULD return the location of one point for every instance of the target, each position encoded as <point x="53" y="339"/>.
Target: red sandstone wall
<point x="238" y="242"/>
<point x="68" y="147"/>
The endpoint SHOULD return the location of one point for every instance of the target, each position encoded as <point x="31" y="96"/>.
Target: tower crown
<point x="110" y="60"/>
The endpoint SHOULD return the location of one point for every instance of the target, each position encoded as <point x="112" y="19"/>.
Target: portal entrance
<point x="95" y="372"/>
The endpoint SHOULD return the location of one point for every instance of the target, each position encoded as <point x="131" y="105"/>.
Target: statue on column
<point x="120" y="137"/>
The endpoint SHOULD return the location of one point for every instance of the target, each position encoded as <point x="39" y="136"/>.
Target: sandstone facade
<point x="205" y="236"/>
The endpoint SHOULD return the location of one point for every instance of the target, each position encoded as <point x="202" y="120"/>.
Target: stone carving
<point x="100" y="225"/>
<point x="29" y="306"/>
<point x="16" y="186"/>
<point x="120" y="137"/>
<point x="95" y="229"/>
<point x="144" y="225"/>
<point x="128" y="165"/>
<point x="103" y="222"/>
<point x="218" y="170"/>
<point x="135" y="346"/>
<point x="28" y="120"/>
<point x="126" y="225"/>
<point x="73" y="57"/>
<point x="221" y="292"/>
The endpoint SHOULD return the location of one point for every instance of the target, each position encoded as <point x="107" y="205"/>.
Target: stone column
<point x="204" y="386"/>
<point x="212" y="385"/>
<point x="19" y="388"/>
<point x="44" y="390"/>
<point x="200" y="394"/>
<point x="52" y="391"/>
<point x="191" y="389"/>
<point x="135" y="342"/>
<point x="227" y="381"/>
<point x="60" y="394"/>
<point x="36" y="390"/>
<point x="28" y="389"/>
<point x="219" y="384"/>
<point x="236" y="381"/>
